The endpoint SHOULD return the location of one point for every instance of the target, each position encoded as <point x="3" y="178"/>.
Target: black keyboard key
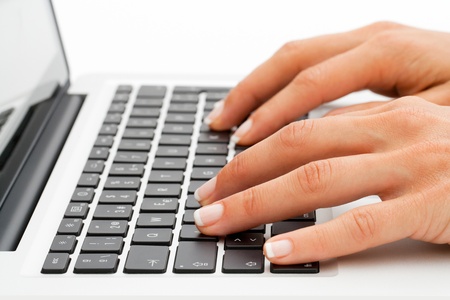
<point x="245" y="240"/>
<point x="123" y="183"/>
<point x="188" y="217"/>
<point x="191" y="233"/>
<point x="156" y="220"/>
<point x="210" y="161"/>
<point x="195" y="257"/>
<point x="204" y="173"/>
<point x="130" y="157"/>
<point x="94" y="166"/>
<point x="102" y="244"/>
<point x="83" y="195"/>
<point x="77" y="210"/>
<point x="143" y="112"/>
<point x="306" y="268"/>
<point x="180" y="118"/>
<point x="99" y="153"/>
<point x="113" y="212"/>
<point x="148" y="103"/>
<point x="212" y="149"/>
<point x="119" y="197"/>
<point x="184" y="98"/>
<point x="172" y="151"/>
<point x="96" y="263"/>
<point x="108" y="228"/>
<point x="214" y="137"/>
<point x="163" y="190"/>
<point x="138" y="133"/>
<point x="169" y="163"/>
<point x="192" y="203"/>
<point x="152" y="236"/>
<point x="56" y="263"/>
<point x="135" y="145"/>
<point x="142" y="123"/>
<point x="194" y="185"/>
<point x="288" y="226"/>
<point x="113" y="119"/>
<point x="147" y="259"/>
<point x="127" y="169"/>
<point x="183" y="108"/>
<point x="248" y="261"/>
<point x="216" y="96"/>
<point x="70" y="227"/>
<point x="169" y="205"/>
<point x="124" y="89"/>
<point x="108" y="129"/>
<point x="178" y="129"/>
<point x="152" y="91"/>
<point x="166" y="176"/>
<point x="121" y="98"/>
<point x="310" y="217"/>
<point x="104" y="141"/>
<point x="175" y="140"/>
<point x="89" y="180"/>
<point x="117" y="108"/>
<point x="64" y="243"/>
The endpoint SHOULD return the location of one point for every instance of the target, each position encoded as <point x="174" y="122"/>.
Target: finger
<point x="354" y="108"/>
<point x="274" y="74"/>
<point x="439" y="94"/>
<point x="312" y="87"/>
<point x="318" y="184"/>
<point x="356" y="230"/>
<point x="296" y="144"/>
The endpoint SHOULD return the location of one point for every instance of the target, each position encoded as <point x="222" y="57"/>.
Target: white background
<point x="221" y="37"/>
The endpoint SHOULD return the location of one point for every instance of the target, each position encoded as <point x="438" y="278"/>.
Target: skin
<point x="398" y="149"/>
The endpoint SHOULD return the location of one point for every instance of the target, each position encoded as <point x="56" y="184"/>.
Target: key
<point x="121" y="98"/>
<point x="195" y="257"/>
<point x="169" y="163"/>
<point x="172" y="151"/>
<point x="147" y="259"/>
<point x="56" y="263"/>
<point x="212" y="149"/>
<point x="113" y="212"/>
<point x="135" y="145"/>
<point x="166" y="176"/>
<point x="99" y="153"/>
<point x="248" y="261"/>
<point x="175" y="140"/>
<point x="312" y="267"/>
<point x="142" y="123"/>
<point x="119" y="197"/>
<point x="138" y="133"/>
<point x="117" y="108"/>
<point x="210" y="161"/>
<point x="183" y="108"/>
<point x="188" y="217"/>
<point x="101" y="244"/>
<point x="89" y="180"/>
<point x="194" y="185"/>
<point x="83" y="195"/>
<point x="152" y="236"/>
<point x="288" y="226"/>
<point x="178" y="129"/>
<point x="152" y="91"/>
<point x="163" y="190"/>
<point x="216" y="96"/>
<point x="64" y="243"/>
<point x="108" y="129"/>
<point x="204" y="173"/>
<point x="113" y="118"/>
<point x="148" y="103"/>
<point x="127" y="169"/>
<point x="245" y="240"/>
<point x="104" y="141"/>
<point x="70" y="227"/>
<point x="184" y="98"/>
<point x="130" y="157"/>
<point x="143" y="112"/>
<point x="192" y="203"/>
<point x="124" y="89"/>
<point x="109" y="227"/>
<point x="77" y="210"/>
<point x="123" y="183"/>
<point x="191" y="233"/>
<point x="154" y="220"/>
<point x="96" y="263"/>
<point x="169" y="205"/>
<point x="94" y="166"/>
<point x="214" y="137"/>
<point x="180" y="118"/>
<point x="311" y="217"/>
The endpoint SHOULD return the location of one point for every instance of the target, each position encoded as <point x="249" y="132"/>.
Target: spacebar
<point x="196" y="257"/>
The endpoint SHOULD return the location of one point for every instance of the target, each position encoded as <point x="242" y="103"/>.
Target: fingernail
<point x="241" y="131"/>
<point x="208" y="215"/>
<point x="278" y="249"/>
<point x="205" y="190"/>
<point x="218" y="108"/>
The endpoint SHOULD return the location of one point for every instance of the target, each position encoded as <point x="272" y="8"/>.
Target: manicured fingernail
<point x="241" y="131"/>
<point x="205" y="190"/>
<point x="208" y="215"/>
<point x="278" y="249"/>
<point x="218" y="108"/>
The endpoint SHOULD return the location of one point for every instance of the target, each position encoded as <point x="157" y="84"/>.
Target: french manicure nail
<point x="208" y="215"/>
<point x="205" y="190"/>
<point x="241" y="131"/>
<point x="215" y="113"/>
<point x="278" y="248"/>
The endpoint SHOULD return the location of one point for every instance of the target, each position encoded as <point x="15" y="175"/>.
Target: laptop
<point x="96" y="190"/>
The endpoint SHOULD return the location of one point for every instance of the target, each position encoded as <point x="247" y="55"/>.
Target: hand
<point x="387" y="58"/>
<point x="399" y="151"/>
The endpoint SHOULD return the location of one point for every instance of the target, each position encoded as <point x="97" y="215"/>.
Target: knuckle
<point x="309" y="78"/>
<point x="251" y="203"/>
<point x="313" y="177"/>
<point x="295" y="134"/>
<point x="290" y="48"/>
<point x="321" y="240"/>
<point x="384" y="25"/>
<point x="238" y="167"/>
<point x="362" y="225"/>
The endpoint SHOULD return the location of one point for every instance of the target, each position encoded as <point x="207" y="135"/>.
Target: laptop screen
<point x="31" y="56"/>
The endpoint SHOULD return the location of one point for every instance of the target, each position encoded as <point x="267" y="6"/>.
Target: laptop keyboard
<point x="138" y="204"/>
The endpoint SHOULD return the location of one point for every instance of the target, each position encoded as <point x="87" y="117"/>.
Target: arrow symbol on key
<point x="152" y="261"/>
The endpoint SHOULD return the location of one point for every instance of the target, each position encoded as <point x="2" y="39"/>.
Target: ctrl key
<point x="56" y="263"/>
<point x="96" y="263"/>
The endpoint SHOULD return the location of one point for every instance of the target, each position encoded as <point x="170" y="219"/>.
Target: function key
<point x="89" y="180"/>
<point x="83" y="195"/>
<point x="113" y="119"/>
<point x="122" y="98"/>
<point x="99" y="153"/>
<point x="94" y="166"/>
<point x="104" y="141"/>
<point x="124" y="89"/>
<point x="152" y="91"/>
<point x="70" y="226"/>
<point x="63" y="243"/>
<point x="77" y="210"/>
